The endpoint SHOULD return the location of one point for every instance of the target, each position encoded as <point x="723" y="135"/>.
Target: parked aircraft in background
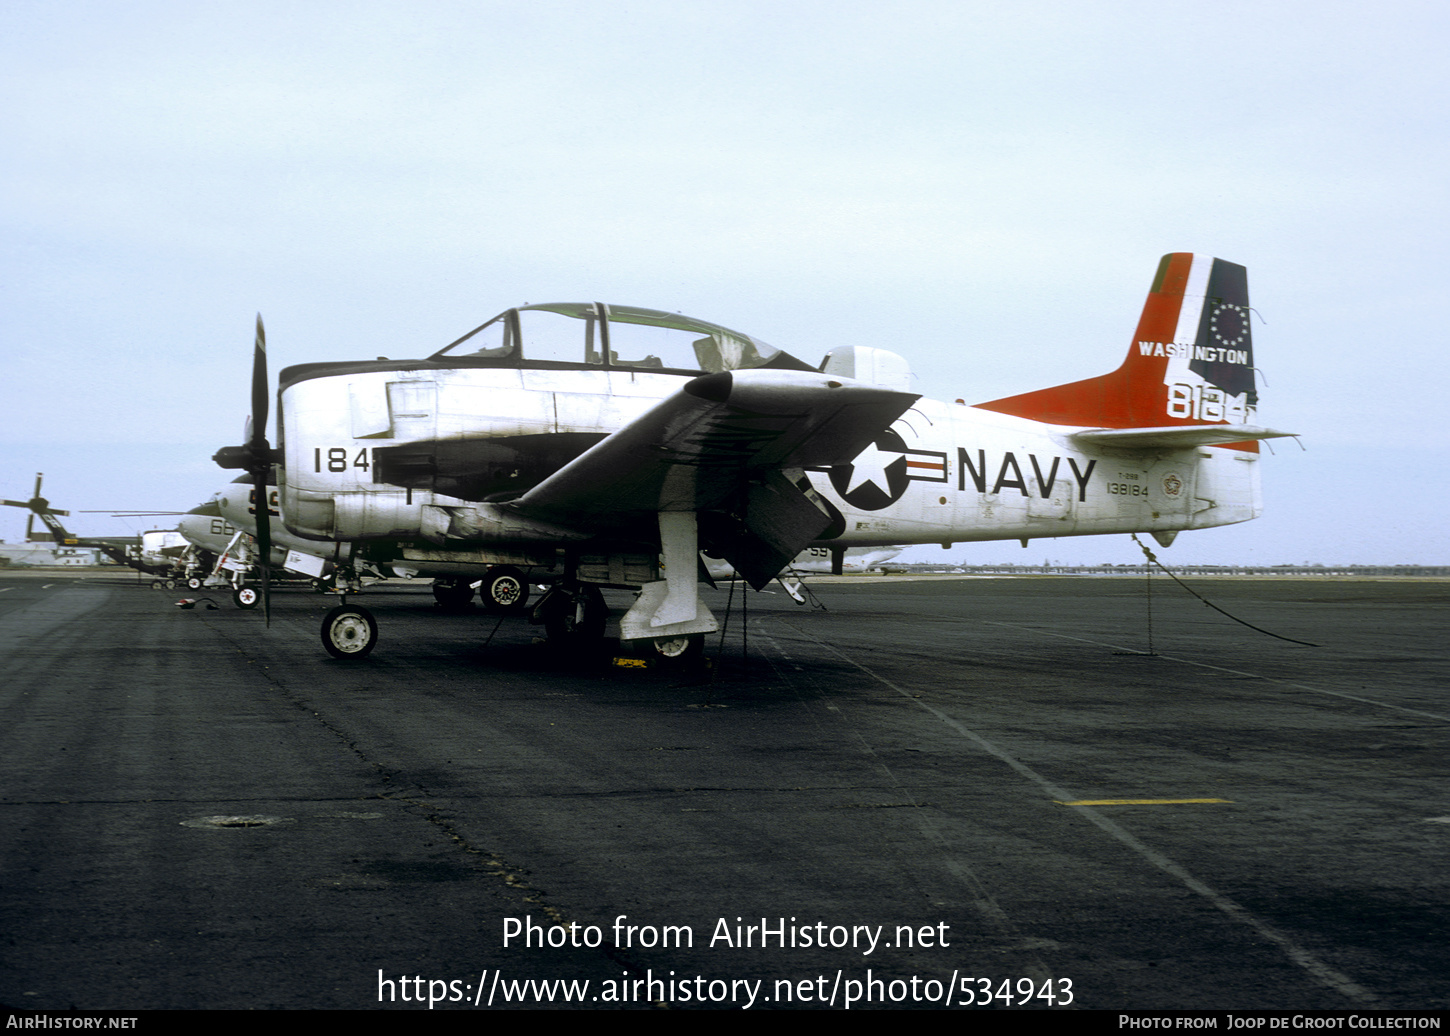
<point x="229" y="553"/>
<point x="816" y="561"/>
<point x="226" y="527"/>
<point x="164" y="549"/>
<point x="616" y="442"/>
<point x="842" y="561"/>
<point x="812" y="561"/>
<point x="152" y="556"/>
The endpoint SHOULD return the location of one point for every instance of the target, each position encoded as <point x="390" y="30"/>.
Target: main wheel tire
<point x="453" y="594"/>
<point x="682" y="649"/>
<point x="246" y="596"/>
<point x="157" y="584"/>
<point x="566" y="625"/>
<point x="349" y="632"/>
<point x="193" y="583"/>
<point x="504" y="590"/>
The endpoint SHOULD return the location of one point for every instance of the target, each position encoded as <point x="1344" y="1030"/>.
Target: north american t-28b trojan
<point x="611" y="444"/>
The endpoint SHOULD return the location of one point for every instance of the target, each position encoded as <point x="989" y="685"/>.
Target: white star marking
<point x="870" y="466"/>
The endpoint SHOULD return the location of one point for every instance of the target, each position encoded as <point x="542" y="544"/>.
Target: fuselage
<point x="213" y="525"/>
<point x="614" y="445"/>
<point x="366" y="452"/>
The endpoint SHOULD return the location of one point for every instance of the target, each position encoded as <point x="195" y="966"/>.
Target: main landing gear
<point x="573" y="617"/>
<point x="452" y="593"/>
<point x="681" y="650"/>
<point x="505" y="591"/>
<point x="350" y="631"/>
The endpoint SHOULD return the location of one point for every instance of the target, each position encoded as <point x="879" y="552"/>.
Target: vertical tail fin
<point x="1191" y="361"/>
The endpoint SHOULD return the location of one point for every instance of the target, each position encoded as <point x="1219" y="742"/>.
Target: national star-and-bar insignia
<point x="879" y="475"/>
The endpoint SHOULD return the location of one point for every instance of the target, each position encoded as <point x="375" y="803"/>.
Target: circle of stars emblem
<point x="1229" y="324"/>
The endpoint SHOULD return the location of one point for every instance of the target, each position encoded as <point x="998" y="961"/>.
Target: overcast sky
<point x="985" y="188"/>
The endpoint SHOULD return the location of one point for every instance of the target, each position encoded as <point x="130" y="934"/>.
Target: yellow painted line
<point x="1141" y="802"/>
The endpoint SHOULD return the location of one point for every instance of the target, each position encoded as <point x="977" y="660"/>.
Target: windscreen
<point x="601" y="335"/>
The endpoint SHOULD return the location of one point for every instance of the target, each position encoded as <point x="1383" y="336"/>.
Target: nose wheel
<point x="349" y="631"/>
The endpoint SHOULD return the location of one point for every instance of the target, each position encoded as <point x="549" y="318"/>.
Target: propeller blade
<point x="260" y="389"/>
<point x="262" y="464"/>
<point x="263" y="496"/>
<point x="256" y="456"/>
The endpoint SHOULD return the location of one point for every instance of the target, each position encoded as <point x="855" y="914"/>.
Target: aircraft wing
<point x="1175" y="437"/>
<point x="693" y="451"/>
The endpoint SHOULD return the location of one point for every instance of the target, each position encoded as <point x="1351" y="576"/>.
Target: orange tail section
<point x="1191" y="361"/>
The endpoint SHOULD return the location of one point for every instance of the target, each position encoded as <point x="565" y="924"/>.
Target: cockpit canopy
<point x="599" y="335"/>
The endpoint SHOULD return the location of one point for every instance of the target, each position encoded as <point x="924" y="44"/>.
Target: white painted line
<point x="1322" y="972"/>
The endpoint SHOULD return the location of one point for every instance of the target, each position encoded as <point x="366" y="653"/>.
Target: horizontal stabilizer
<point x="1175" y="437"/>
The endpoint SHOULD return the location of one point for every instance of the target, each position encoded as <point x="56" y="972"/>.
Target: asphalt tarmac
<point x="1054" y="793"/>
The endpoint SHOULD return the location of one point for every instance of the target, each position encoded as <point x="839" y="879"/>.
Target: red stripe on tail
<point x="1190" y="361"/>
